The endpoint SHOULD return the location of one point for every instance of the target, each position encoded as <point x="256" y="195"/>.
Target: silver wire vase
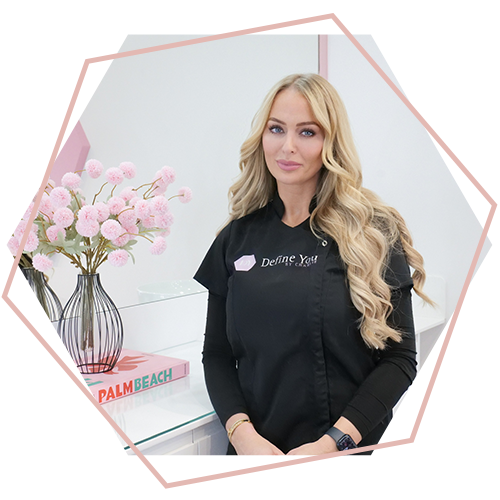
<point x="34" y="298"/>
<point x="91" y="327"/>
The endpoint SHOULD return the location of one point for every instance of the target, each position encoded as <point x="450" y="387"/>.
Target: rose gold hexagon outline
<point x="322" y="69"/>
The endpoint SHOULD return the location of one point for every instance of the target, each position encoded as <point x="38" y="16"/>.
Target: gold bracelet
<point x="235" y="426"/>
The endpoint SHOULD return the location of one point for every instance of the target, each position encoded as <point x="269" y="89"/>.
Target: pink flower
<point x="118" y="258"/>
<point x="159" y="190"/>
<point x="164" y="233"/>
<point x="70" y="180"/>
<point x="88" y="213"/>
<point x="159" y="246"/>
<point x="31" y="243"/>
<point x="13" y="196"/>
<point x="42" y="262"/>
<point x="142" y="209"/>
<point x="185" y="194"/>
<point x="60" y="197"/>
<point x="158" y="180"/>
<point x="148" y="222"/>
<point x="164" y="221"/>
<point x="63" y="217"/>
<point x="131" y="229"/>
<point x="102" y="211"/>
<point x="87" y="228"/>
<point x="133" y="201"/>
<point x="13" y="245"/>
<point x="21" y="228"/>
<point x="10" y="180"/>
<point x="116" y="205"/>
<point x="122" y="240"/>
<point x="45" y="204"/>
<point x="128" y="193"/>
<point x="25" y="209"/>
<point x="53" y="233"/>
<point x="36" y="176"/>
<point x="168" y="175"/>
<point x="114" y="176"/>
<point x="24" y="184"/>
<point x="127" y="217"/>
<point x="128" y="169"/>
<point x="111" y="229"/>
<point x="94" y="168"/>
<point x="159" y="205"/>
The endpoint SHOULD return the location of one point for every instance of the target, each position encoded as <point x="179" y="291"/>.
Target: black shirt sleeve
<point x="219" y="364"/>
<point x="397" y="366"/>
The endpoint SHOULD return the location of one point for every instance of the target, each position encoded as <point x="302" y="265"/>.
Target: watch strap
<point x="343" y="441"/>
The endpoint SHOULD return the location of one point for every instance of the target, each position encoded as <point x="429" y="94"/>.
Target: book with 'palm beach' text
<point x="134" y="372"/>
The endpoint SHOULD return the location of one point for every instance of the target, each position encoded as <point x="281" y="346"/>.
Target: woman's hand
<point x="324" y="444"/>
<point x="247" y="441"/>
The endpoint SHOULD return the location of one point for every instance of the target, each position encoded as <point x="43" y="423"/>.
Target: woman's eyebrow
<point x="298" y="124"/>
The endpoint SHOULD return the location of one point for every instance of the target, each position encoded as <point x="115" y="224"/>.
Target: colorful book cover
<point x="135" y="372"/>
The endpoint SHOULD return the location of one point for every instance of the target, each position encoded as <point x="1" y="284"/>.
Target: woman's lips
<point x="287" y="165"/>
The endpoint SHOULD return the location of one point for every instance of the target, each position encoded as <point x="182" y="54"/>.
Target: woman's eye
<point x="307" y="133"/>
<point x="275" y="129"/>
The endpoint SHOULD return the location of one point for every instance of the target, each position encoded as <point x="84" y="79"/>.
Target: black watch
<point x="344" y="441"/>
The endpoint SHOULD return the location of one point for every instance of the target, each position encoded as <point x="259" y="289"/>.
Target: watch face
<point x="346" y="443"/>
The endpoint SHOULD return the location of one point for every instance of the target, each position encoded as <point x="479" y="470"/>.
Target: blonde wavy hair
<point x="364" y="227"/>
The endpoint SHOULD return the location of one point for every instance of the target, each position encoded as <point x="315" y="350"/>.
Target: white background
<point x="413" y="478"/>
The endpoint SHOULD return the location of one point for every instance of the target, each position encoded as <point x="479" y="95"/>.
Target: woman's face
<point x="293" y="141"/>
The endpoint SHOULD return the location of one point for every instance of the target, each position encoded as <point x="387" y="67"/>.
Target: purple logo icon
<point x="245" y="263"/>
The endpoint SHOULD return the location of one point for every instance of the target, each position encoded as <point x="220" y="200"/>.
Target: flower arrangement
<point x="90" y="232"/>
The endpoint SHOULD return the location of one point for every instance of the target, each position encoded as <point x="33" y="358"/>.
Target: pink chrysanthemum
<point x="185" y="194"/>
<point x="158" y="180"/>
<point x="60" y="197"/>
<point x="122" y="240"/>
<point x="111" y="229"/>
<point x="87" y="228"/>
<point x="159" y="246"/>
<point x="36" y="176"/>
<point x="88" y="213"/>
<point x="168" y="175"/>
<point x="63" y="217"/>
<point x="118" y="258"/>
<point x="25" y="209"/>
<point x="53" y="233"/>
<point x="159" y="190"/>
<point x="128" y="193"/>
<point x="164" y="233"/>
<point x="148" y="222"/>
<point x="114" y="176"/>
<point x="42" y="263"/>
<point x="10" y="180"/>
<point x="164" y="221"/>
<point x="19" y="228"/>
<point x="133" y="229"/>
<point x="31" y="243"/>
<point x="102" y="211"/>
<point x="116" y="205"/>
<point x="94" y="168"/>
<point x="13" y="196"/>
<point x="45" y="205"/>
<point x="127" y="217"/>
<point x="142" y="209"/>
<point x="70" y="180"/>
<point x="128" y="169"/>
<point x="133" y="201"/>
<point x="159" y="205"/>
<point x="13" y="245"/>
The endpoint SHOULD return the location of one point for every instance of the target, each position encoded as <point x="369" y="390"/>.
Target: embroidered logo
<point x="245" y="263"/>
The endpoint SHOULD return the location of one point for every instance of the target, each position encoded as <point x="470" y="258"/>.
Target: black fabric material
<point x="282" y="342"/>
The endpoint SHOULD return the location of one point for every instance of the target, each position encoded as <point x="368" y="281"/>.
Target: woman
<point x="310" y="340"/>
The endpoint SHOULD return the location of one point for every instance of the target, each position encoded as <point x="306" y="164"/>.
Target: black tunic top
<point x="282" y="342"/>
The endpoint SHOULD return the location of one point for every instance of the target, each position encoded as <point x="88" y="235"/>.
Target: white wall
<point x="449" y="79"/>
<point x="190" y="108"/>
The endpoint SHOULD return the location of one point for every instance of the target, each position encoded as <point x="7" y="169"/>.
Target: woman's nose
<point x="289" y="144"/>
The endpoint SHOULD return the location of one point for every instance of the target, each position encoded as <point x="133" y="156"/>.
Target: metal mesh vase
<point x="90" y="327"/>
<point x="34" y="298"/>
